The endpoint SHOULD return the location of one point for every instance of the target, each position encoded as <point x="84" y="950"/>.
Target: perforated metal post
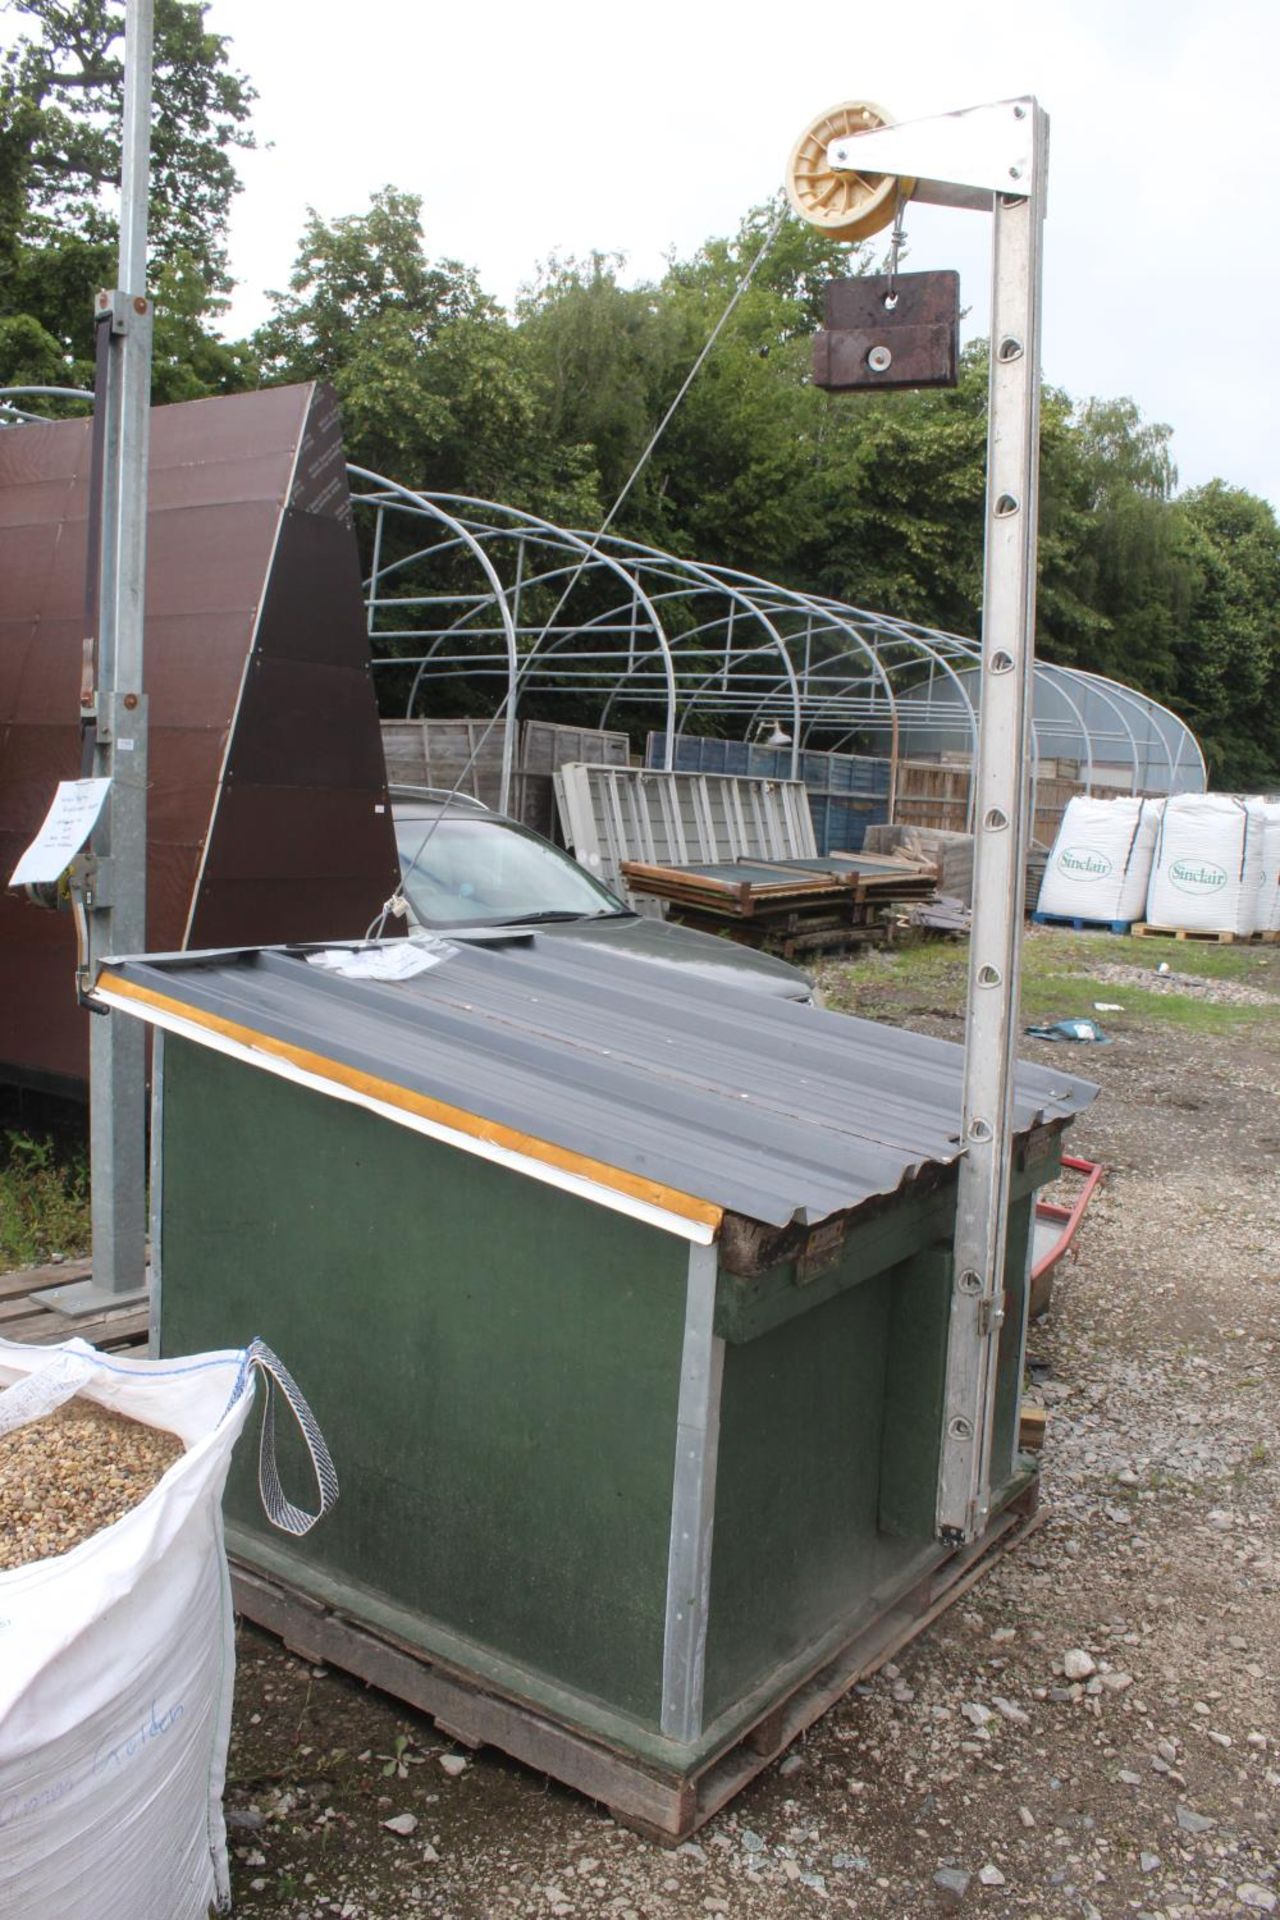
<point x="1001" y="837"/>
<point x="992" y="159"/>
<point x="112" y="880"/>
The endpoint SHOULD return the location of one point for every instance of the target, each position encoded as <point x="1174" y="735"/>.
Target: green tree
<point x="64" y="87"/>
<point x="437" y="389"/>
<point x="353" y="275"/>
<point x="61" y="101"/>
<point x="1227" y="654"/>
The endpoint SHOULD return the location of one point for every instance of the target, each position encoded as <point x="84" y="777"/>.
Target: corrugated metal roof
<point x="775" y="1111"/>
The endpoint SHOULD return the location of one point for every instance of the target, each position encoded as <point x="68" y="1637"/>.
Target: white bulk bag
<point x="1101" y="859"/>
<point x="1268" y="918"/>
<point x="1207" y="874"/>
<point x="117" y="1658"/>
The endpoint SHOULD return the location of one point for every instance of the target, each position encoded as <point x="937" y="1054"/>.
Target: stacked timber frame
<point x="625" y="1310"/>
<point x="790" y="906"/>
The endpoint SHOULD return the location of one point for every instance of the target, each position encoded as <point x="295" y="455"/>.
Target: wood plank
<point x="487" y="1718"/>
<point x="44" y="1327"/>
<point x="1144" y="930"/>
<point x="31" y="1279"/>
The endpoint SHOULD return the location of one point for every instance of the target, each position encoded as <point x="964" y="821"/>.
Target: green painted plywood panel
<point x="495" y="1365"/>
<point x="1005" y="1465"/>
<point x="796" y="1540"/>
<point x="915" y="1391"/>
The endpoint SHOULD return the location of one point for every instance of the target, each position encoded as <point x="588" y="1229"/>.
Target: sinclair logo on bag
<point x="1197" y="876"/>
<point x="1084" y="863"/>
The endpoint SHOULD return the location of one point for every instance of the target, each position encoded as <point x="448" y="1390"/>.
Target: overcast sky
<point x="568" y="126"/>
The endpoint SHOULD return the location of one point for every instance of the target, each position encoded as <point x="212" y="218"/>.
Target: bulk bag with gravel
<point x="1207" y="876"/>
<point x="1101" y="860"/>
<point x="116" y="1642"/>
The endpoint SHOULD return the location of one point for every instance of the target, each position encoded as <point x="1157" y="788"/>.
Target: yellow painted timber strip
<point x="685" y="1206"/>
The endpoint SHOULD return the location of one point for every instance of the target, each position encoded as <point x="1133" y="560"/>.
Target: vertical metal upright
<point x="1001" y="822"/>
<point x="112" y="879"/>
<point x="990" y="159"/>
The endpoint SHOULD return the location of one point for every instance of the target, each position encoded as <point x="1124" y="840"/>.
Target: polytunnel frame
<point x="803" y="689"/>
<point x="532" y="526"/>
<point x="723" y="580"/>
<point x="744" y="593"/>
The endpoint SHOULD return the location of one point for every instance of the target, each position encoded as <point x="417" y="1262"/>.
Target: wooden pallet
<point x="1142" y="929"/>
<point x="1078" y="924"/>
<point x="23" y="1318"/>
<point x="665" y="1805"/>
<point x="787" y="935"/>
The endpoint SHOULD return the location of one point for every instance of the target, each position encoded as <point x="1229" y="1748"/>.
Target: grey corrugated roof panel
<point x="772" y="1110"/>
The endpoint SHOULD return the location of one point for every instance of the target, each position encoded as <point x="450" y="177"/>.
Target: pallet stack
<point x="792" y="907"/>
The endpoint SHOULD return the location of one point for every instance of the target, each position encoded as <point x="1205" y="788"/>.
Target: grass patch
<point x="1062" y="996"/>
<point x="1058" y="981"/>
<point x="44" y="1199"/>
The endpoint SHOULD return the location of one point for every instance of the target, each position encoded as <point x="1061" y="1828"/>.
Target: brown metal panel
<point x="300" y="725"/>
<point x="184" y="771"/>
<point x="309" y="833"/>
<point x="39" y="566"/>
<point x="44" y="474"/>
<point x="242" y="597"/>
<point x="236" y="431"/>
<point x="320" y="478"/>
<point x="306" y="742"/>
<point x="210" y="559"/>
<point x="258" y="476"/>
<point x="310" y="911"/>
<point x="42" y="1031"/>
<point x="28" y="756"/>
<point x="314" y="603"/>
<point x="40" y="677"/>
<point x="201" y="651"/>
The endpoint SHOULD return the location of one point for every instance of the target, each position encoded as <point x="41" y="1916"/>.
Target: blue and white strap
<point x="278" y="1508"/>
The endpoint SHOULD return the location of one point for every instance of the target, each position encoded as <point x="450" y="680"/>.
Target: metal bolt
<point x="139" y="305"/>
<point x="879" y="359"/>
<point x="1015" y="173"/>
<point x="131" y="701"/>
<point x="1019" y="113"/>
<point x="841" y="154"/>
<point x="960" y="1428"/>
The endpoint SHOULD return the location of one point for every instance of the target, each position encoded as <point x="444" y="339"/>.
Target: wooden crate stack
<point x="792" y="907"/>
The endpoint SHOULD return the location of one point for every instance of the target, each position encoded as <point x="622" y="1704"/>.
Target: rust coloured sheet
<point x="267" y="814"/>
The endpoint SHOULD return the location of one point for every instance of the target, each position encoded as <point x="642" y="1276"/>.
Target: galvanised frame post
<point x="112" y="878"/>
<point x="1001" y="828"/>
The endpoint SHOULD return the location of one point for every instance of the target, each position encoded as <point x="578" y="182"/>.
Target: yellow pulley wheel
<point x="847" y="206"/>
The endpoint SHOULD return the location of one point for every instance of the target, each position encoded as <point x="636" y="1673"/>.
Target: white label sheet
<point x="67" y="825"/>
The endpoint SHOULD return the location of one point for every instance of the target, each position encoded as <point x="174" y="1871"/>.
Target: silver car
<point x="465" y="868"/>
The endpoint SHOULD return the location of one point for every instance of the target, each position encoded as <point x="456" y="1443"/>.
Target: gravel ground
<point x="1094" y="1731"/>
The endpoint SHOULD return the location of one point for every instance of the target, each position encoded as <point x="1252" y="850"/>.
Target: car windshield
<point x="469" y="871"/>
